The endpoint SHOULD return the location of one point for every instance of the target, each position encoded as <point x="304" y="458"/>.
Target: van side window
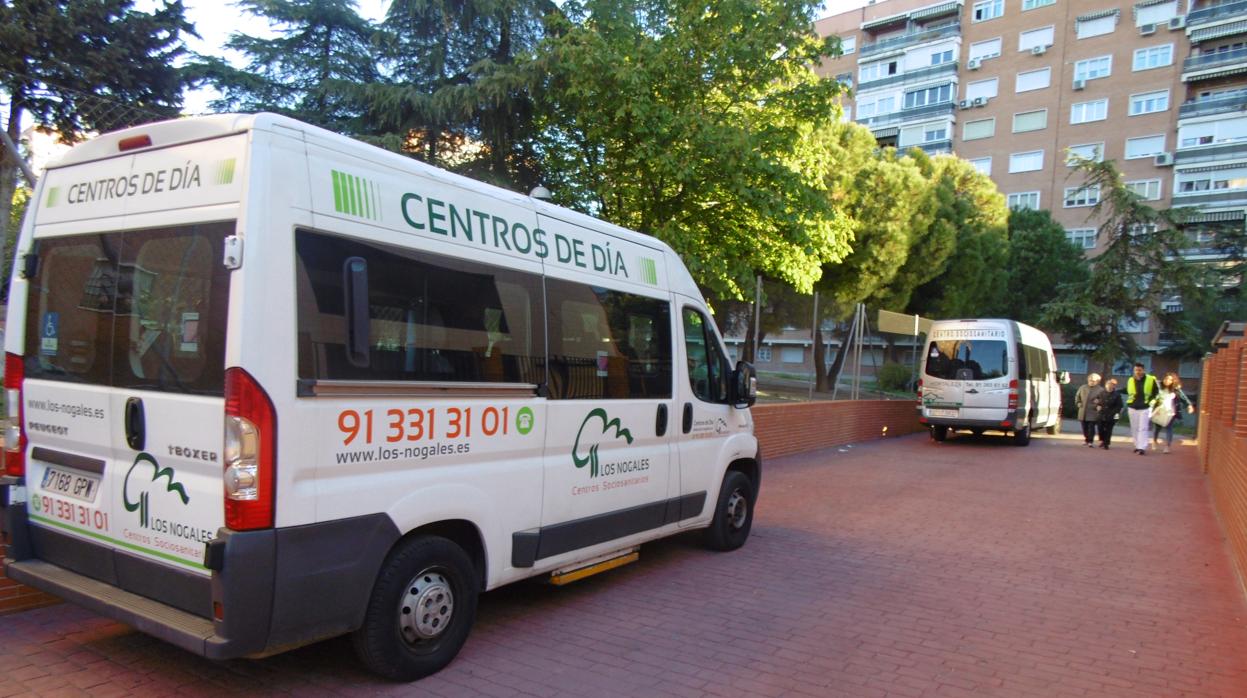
<point x="607" y="344"/>
<point x="1037" y="367"/>
<point x="707" y="367"/>
<point x="430" y="317"/>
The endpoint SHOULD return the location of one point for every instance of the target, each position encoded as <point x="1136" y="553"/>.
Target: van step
<point x="186" y="630"/>
<point x="613" y="560"/>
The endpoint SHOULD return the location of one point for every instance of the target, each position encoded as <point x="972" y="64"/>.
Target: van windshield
<point x="141" y="309"/>
<point x="967" y="359"/>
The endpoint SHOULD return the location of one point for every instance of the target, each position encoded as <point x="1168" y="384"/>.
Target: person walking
<point x="1087" y="402"/>
<point x="1142" y="389"/>
<point x="1110" y="410"/>
<point x="1168" y="409"/>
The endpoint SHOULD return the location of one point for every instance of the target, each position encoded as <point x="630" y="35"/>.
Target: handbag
<point x="1162" y="414"/>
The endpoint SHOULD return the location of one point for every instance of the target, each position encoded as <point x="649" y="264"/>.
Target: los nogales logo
<point x="143" y="487"/>
<point x="608" y="427"/>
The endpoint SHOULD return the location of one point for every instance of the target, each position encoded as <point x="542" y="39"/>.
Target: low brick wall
<point x="1223" y="445"/>
<point x="19" y="597"/>
<point x="784" y="429"/>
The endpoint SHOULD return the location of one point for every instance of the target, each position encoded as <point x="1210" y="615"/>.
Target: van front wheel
<point x="421" y="610"/>
<point x="733" y="515"/>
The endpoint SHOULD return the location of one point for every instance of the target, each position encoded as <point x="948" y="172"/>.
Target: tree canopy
<point x="1042" y="260"/>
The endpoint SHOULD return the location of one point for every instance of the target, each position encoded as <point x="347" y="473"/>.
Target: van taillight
<point x="919" y="390"/>
<point x="14" y="431"/>
<point x="1013" y="394"/>
<point x="250" y="453"/>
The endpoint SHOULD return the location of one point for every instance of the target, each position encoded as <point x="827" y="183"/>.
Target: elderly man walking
<point x="1142" y="389"/>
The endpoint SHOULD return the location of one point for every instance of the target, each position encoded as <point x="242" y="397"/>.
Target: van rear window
<point x="967" y="359"/>
<point x="141" y="309"/>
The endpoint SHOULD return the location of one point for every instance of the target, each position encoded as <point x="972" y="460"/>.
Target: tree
<point x="454" y="96"/>
<point x="703" y="125"/>
<point x="1041" y="260"/>
<point x="1139" y="267"/>
<point x="75" y="67"/>
<point x="322" y="49"/>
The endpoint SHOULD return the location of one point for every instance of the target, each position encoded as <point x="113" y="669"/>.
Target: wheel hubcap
<point x="737" y="509"/>
<point x="426" y="607"/>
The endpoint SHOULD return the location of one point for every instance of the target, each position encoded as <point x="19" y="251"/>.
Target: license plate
<point x="933" y="412"/>
<point x="70" y="483"/>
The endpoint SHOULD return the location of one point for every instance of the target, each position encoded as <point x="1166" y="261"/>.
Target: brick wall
<point x="19" y="597"/>
<point x="785" y="429"/>
<point x="1223" y="445"/>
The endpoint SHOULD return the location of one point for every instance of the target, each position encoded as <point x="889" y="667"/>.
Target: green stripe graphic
<point x="356" y="196"/>
<point x="649" y="271"/>
<point x="225" y="171"/>
<point x="54" y="196"/>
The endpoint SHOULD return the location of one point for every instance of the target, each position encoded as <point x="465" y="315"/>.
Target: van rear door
<point x="123" y="398"/>
<point x="970" y="372"/>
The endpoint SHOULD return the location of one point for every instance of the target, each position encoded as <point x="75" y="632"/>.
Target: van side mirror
<point x="1063" y="379"/>
<point x="744" y="385"/>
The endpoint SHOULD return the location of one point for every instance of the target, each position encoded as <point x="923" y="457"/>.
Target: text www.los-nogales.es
<point x="383" y="453"/>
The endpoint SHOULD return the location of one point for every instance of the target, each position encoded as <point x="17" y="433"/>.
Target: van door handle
<point x="136" y="426"/>
<point x="660" y="424"/>
<point x="688" y="417"/>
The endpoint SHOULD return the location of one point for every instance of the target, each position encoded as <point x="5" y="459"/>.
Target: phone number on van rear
<point x="417" y="424"/>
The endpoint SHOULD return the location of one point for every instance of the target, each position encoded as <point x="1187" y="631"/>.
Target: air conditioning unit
<point x="1147" y="29"/>
<point x="979" y="102"/>
<point x="974" y="63"/>
<point x="1164" y="159"/>
<point x="1176" y="23"/>
<point x="1080" y="84"/>
<point x="964" y="104"/>
<point x="1039" y="50"/>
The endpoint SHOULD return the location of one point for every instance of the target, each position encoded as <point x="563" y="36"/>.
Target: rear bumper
<point x="268" y="591"/>
<point x="960" y="423"/>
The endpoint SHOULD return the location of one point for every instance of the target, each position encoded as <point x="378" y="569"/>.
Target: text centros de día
<point x="966" y="334"/>
<point x="122" y="186"/>
<point x="488" y="229"/>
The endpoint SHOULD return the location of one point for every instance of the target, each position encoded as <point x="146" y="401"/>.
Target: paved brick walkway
<point x="902" y="568"/>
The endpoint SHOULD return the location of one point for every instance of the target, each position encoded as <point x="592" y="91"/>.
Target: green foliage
<point x="703" y="125"/>
<point x="322" y="49"/>
<point x="892" y="376"/>
<point x="1041" y="261"/>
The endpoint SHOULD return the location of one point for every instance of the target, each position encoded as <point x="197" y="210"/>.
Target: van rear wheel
<point x="421" y="609"/>
<point x="939" y="433"/>
<point x="1022" y="437"/>
<point x="733" y="514"/>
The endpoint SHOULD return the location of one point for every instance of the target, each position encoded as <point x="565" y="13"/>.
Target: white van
<point x="989" y="375"/>
<point x="271" y="385"/>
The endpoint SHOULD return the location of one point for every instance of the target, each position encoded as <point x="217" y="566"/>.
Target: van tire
<point x="1022" y="437"/>
<point x="435" y="573"/>
<point x="733" y="514"/>
<point x="1054" y="429"/>
<point x="939" y="433"/>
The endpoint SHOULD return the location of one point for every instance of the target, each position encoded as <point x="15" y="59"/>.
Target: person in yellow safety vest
<point x="1142" y="389"/>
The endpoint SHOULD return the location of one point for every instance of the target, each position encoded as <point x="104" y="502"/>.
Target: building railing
<point x="943" y="146"/>
<point x="1219" y="104"/>
<point x="1218" y="11"/>
<point x="1193" y="198"/>
<point x="920" y="74"/>
<point x="1211" y="152"/>
<point x="1214" y="60"/>
<point x="897" y="117"/>
<point x="908" y="39"/>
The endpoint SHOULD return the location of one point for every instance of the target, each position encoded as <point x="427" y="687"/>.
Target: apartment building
<point x="1159" y="86"/>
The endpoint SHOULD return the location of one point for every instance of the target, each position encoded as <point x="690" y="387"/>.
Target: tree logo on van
<point x="596" y="417"/>
<point x="142" y="487"/>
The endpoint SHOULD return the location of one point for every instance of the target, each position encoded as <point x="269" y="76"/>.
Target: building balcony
<point x="900" y="42"/>
<point x="1229" y="102"/>
<point x="935" y="147"/>
<point x="914" y="114"/>
<point x="1215" y="13"/>
<point x="1214" y="65"/>
<point x="910" y="76"/>
<point x="1222" y="197"/>
<point x="1211" y="152"/>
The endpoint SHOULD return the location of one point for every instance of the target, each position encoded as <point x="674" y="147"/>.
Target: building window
<point x="983" y="165"/>
<point x="1147" y="189"/>
<point x="988" y="9"/>
<point x="877" y="70"/>
<point x="1081" y="237"/>
<point x="792" y="355"/>
<point x="985" y="89"/>
<point x="1223" y="180"/>
<point x="1094" y="68"/>
<point x="1190" y="369"/>
<point x="1149" y="102"/>
<point x="929" y="95"/>
<point x="1032" y="4"/>
<point x="982" y="50"/>
<point x="1144" y="146"/>
<point x="1074" y="363"/>
<point x="1034" y="80"/>
<point x="1026" y="162"/>
<point x="934" y="133"/>
<point x="1076" y="197"/>
<point x="1030" y="121"/>
<point x="1158" y="13"/>
<point x="1089" y="151"/>
<point x="879" y="107"/>
<point x="1082" y="112"/>
<point x="1028" y="40"/>
<point x="974" y="130"/>
<point x="764" y="353"/>
<point x="1024" y="200"/>
<point x="1153" y="57"/>
<point x="1135" y="325"/>
<point x="942" y="57"/>
<point x="848" y="45"/>
<point x="1098" y="26"/>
